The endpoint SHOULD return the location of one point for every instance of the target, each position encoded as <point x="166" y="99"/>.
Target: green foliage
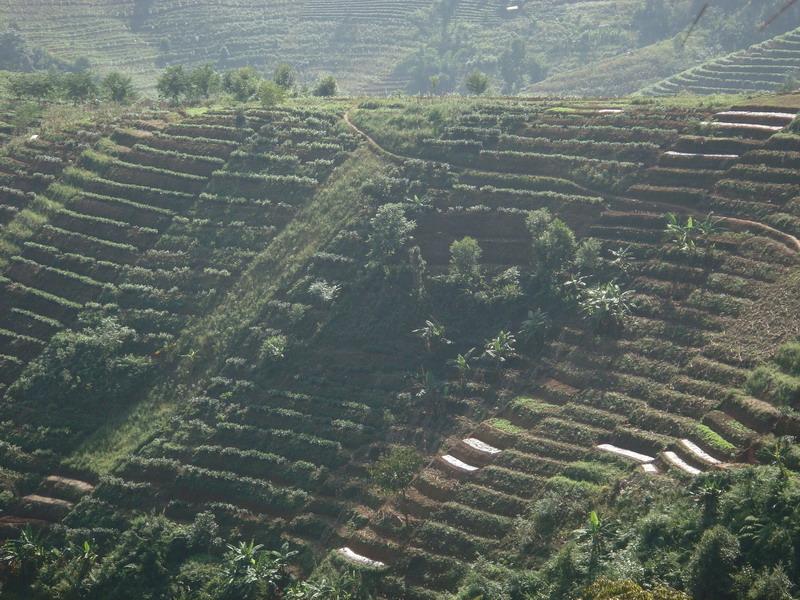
<point x="174" y="84"/>
<point x="251" y="572"/>
<point x="686" y="236"/>
<point x="243" y="83"/>
<point x="274" y="347"/>
<point x="347" y="584"/>
<point x="89" y="371"/>
<point x="788" y="358"/>
<point x="394" y="471"/>
<point x="204" y="81"/>
<point x="476" y="83"/>
<point x="587" y="257"/>
<point x="432" y="334"/>
<point x="285" y="76"/>
<point x="465" y="268"/>
<point x="326" y="87"/>
<point x="118" y="87"/>
<point x="270" y="94"/>
<point x="501" y="348"/>
<point x="463" y="364"/>
<point x="711" y="567"/>
<point x="552" y="242"/>
<point x="24" y="556"/>
<point x="769" y="584"/>
<point x="771" y="384"/>
<point x="39" y="85"/>
<point x="512" y="66"/>
<point x="389" y="232"/>
<point x="535" y="328"/>
<point x="626" y="589"/>
<point x="79" y="86"/>
<point x="606" y="305"/>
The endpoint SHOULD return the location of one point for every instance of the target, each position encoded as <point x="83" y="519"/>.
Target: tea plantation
<point x="410" y="348"/>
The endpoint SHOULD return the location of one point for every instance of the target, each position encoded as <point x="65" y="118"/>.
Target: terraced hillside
<point x="666" y="393"/>
<point x="769" y="66"/>
<point x="283" y="335"/>
<point x="383" y="47"/>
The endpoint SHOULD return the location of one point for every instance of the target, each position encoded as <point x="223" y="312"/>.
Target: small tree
<point x="174" y="84"/>
<point x="707" y="494"/>
<point x="38" y="86"/>
<point x="394" y="471"/>
<point x="433" y="84"/>
<point x="476" y="83"/>
<point x="270" y="94"/>
<point x="284" y="76"/>
<point x="512" y="65"/>
<point x="465" y="268"/>
<point x="326" y="87"/>
<point x="779" y="454"/>
<point x="552" y="243"/>
<point x="587" y="257"/>
<point x="204" y="81"/>
<point x="91" y="370"/>
<point x="242" y="83"/>
<point x="769" y="584"/>
<point x="118" y="87"/>
<point x="79" y="86"/>
<point x="390" y="230"/>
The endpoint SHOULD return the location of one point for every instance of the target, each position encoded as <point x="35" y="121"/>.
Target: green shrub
<point x="710" y="569"/>
<point x="769" y="383"/>
<point x="788" y="358"/>
<point x="465" y="268"/>
<point x="89" y="371"/>
<point x="326" y="87"/>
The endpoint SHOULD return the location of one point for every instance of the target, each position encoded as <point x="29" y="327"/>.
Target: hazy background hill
<point x="589" y="47"/>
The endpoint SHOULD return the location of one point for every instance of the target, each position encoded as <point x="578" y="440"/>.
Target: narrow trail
<point x="790" y="241"/>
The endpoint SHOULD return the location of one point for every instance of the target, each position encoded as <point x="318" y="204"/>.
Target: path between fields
<point x="787" y="239"/>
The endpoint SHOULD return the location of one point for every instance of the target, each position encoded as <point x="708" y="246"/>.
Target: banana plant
<point x="432" y="334"/>
<point x="501" y="348"/>
<point x="462" y="363"/>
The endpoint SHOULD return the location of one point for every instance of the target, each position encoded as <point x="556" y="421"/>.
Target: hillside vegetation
<point x="407" y="348"/>
<point x="426" y="46"/>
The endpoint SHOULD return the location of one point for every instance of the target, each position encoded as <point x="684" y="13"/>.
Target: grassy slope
<point x="204" y="343"/>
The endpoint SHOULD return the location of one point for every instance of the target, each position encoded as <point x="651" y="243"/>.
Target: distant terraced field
<point x="770" y="66"/>
<point x="373" y="48"/>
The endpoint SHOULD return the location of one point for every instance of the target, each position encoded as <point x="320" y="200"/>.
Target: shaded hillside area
<point x="402" y="348"/>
